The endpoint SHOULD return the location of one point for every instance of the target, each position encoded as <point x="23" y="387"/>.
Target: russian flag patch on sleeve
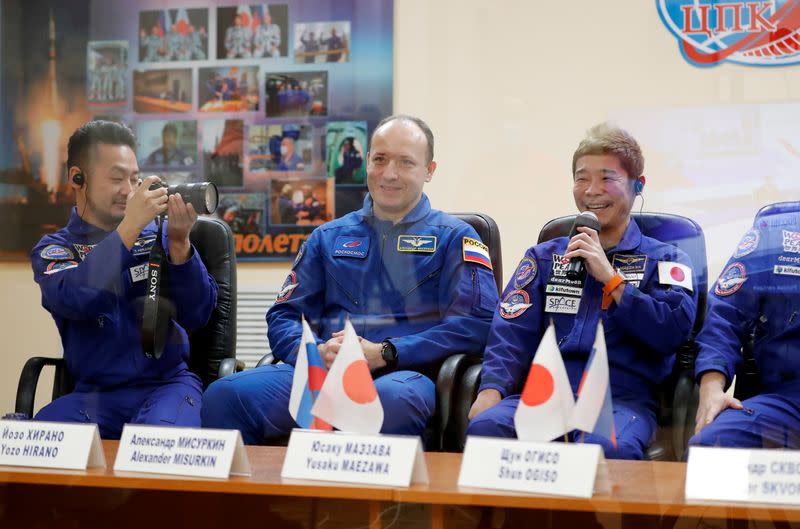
<point x="476" y="252"/>
<point x="670" y="273"/>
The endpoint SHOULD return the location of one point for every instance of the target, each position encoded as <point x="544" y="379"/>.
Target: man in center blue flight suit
<point x="415" y="282"/>
<point x="633" y="283"/>
<point x="93" y="273"/>
<point x="757" y="297"/>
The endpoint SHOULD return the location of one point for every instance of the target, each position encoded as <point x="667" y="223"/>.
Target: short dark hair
<point x="170" y="127"/>
<point x="426" y="130"/>
<point x="94" y="133"/>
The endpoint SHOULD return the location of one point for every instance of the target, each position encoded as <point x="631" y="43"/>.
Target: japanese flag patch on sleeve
<point x="671" y="273"/>
<point x="475" y="251"/>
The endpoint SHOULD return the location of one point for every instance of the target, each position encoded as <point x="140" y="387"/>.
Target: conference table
<point x="643" y="494"/>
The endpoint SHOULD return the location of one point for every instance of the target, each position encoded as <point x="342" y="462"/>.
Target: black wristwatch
<point x="389" y="354"/>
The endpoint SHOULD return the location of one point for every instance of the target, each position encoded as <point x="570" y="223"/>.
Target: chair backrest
<point x="777" y="208"/>
<point x="213" y="240"/>
<point x="679" y="231"/>
<point x="490" y="235"/>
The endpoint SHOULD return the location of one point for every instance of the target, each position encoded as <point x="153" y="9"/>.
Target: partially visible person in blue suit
<point x="756" y="299"/>
<point x="646" y="312"/>
<point x="397" y="268"/>
<point x="93" y="274"/>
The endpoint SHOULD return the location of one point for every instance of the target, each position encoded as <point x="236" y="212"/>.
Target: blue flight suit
<point x="642" y="334"/>
<point x="757" y="293"/>
<point x="94" y="288"/>
<point x="427" y="299"/>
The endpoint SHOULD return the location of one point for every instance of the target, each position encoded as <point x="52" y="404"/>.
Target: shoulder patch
<point x="56" y="252"/>
<point x="748" y="244"/>
<point x="731" y="279"/>
<point x="299" y="256"/>
<point x="83" y="249"/>
<point x="416" y="243"/>
<point x="672" y="273"/>
<point x="474" y="251"/>
<point x="345" y="246"/>
<point x="288" y="287"/>
<point x="526" y="272"/>
<point x="58" y="266"/>
<point x="514" y="304"/>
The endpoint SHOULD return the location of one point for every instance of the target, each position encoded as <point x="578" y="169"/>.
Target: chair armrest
<point x="466" y="392"/>
<point x="447" y="382"/>
<point x="684" y="399"/>
<point x="29" y="379"/>
<point x="229" y="366"/>
<point x="684" y="411"/>
<point x="267" y="359"/>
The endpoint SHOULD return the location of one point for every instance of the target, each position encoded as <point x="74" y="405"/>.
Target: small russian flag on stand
<point x="309" y="374"/>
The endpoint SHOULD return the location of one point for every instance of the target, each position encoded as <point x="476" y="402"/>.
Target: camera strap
<point x="158" y="307"/>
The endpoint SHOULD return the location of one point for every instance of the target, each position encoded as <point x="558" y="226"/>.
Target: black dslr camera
<point x="203" y="195"/>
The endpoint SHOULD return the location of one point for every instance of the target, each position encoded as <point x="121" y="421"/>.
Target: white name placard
<point x="391" y="460"/>
<point x="757" y="475"/>
<point x="184" y="451"/>
<point x="50" y="445"/>
<point x="565" y="469"/>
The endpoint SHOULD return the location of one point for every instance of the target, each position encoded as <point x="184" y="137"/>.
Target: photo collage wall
<point x="271" y="102"/>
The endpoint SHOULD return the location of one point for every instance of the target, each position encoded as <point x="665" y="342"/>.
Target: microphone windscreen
<point x="586" y="219"/>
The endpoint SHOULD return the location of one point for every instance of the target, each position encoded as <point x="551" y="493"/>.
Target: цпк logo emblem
<point x="752" y="33"/>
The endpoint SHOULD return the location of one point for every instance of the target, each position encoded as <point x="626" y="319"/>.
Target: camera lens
<point x="211" y="197"/>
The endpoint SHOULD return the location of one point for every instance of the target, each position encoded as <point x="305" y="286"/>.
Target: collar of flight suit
<point x="78" y="226"/>
<point x="631" y="239"/>
<point x="419" y="212"/>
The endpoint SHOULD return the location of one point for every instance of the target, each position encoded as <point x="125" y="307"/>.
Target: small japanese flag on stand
<point x="670" y="273"/>
<point x="546" y="404"/>
<point x="348" y="399"/>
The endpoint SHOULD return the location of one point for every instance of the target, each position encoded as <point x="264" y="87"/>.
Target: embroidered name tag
<point x="416" y="243"/>
<point x="143" y="245"/>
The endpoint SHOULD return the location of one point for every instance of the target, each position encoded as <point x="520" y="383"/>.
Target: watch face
<point x="388" y="352"/>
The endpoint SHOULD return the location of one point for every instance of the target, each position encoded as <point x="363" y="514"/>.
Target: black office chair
<point x="443" y="433"/>
<point x="677" y="408"/>
<point x="213" y="347"/>
<point x="441" y="429"/>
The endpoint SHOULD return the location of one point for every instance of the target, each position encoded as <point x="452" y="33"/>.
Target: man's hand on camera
<point x="182" y="217"/>
<point x="142" y="207"/>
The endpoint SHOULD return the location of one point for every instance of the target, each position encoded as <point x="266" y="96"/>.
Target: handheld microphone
<point x="586" y="219"/>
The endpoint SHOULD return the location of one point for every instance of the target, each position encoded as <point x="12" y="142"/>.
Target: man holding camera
<point x="93" y="274"/>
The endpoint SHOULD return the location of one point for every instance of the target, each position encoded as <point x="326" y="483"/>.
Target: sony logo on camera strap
<point x="158" y="307"/>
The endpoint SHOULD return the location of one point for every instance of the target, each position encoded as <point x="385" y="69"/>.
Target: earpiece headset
<point x="79" y="179"/>
<point x="638" y="186"/>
